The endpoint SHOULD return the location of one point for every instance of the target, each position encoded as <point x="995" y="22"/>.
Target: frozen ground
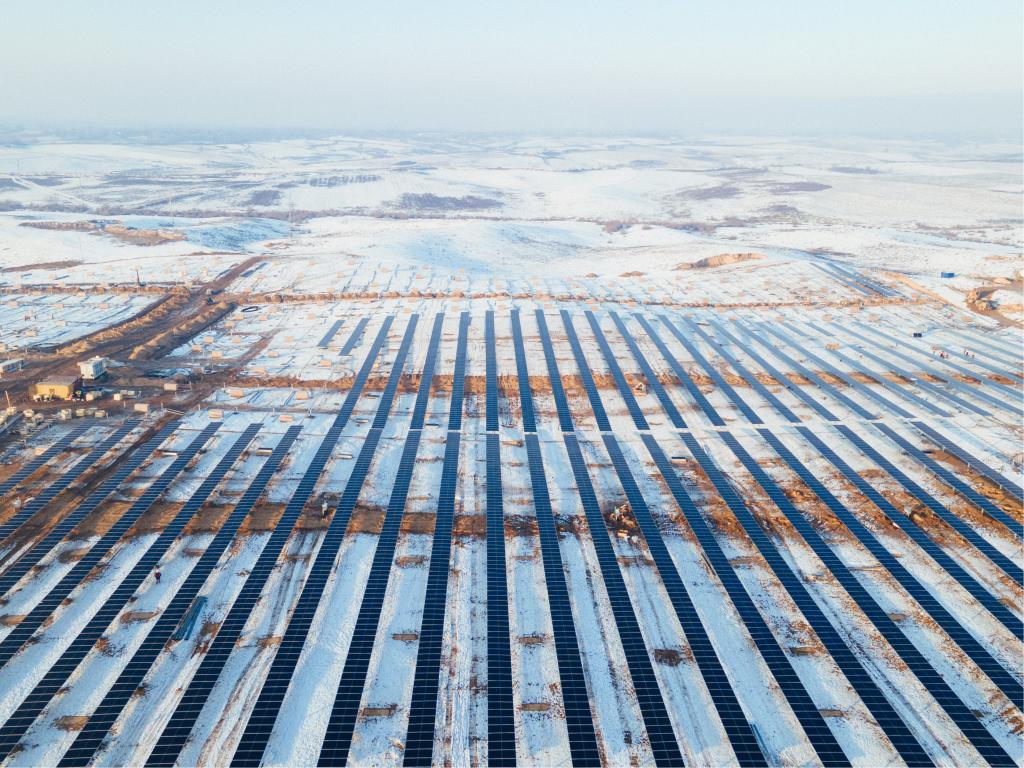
<point x="863" y="597"/>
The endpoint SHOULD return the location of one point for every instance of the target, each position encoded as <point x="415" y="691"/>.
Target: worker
<point x="156" y="575"/>
<point x="323" y="509"/>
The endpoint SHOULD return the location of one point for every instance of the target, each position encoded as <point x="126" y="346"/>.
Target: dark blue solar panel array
<point x="851" y="382"/>
<point x="951" y="567"/>
<point x="980" y="501"/>
<point x="491" y="374"/>
<point x="53" y="599"/>
<point x="742" y="370"/>
<point x="778" y="375"/>
<point x="858" y="677"/>
<point x="883" y="711"/>
<point x="711" y="371"/>
<point x="578" y="717"/>
<point x="419" y="738"/>
<point x="649" y="373"/>
<point x="525" y="396"/>
<point x="820" y="737"/>
<point x="267" y="707"/>
<point x="57" y="676"/>
<point x="178" y="728"/>
<point x="124" y="468"/>
<point x="652" y="705"/>
<point x="680" y="372"/>
<point x="38" y="461"/>
<point x="620" y="380"/>
<point x="501" y="726"/>
<point x="737" y="727"/>
<point x="956" y="631"/>
<point x="330" y="334"/>
<point x="91" y="737"/>
<point x="588" y="381"/>
<point x="46" y="495"/>
<point x="808" y="374"/>
<point x="353" y="339"/>
<point x="968" y="532"/>
<point x="972" y="461"/>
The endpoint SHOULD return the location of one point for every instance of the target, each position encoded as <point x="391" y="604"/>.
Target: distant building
<point x="93" y="368"/>
<point x="58" y="388"/>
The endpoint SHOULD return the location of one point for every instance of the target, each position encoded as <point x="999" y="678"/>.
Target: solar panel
<point x="585" y="375"/>
<point x="30" y="467"/>
<point x="55" y="597"/>
<point x="419" y="410"/>
<point x="330" y="334"/>
<point x="712" y="372"/>
<point x="977" y="499"/>
<point x="459" y="376"/>
<point x="808" y="374"/>
<point x="737" y="727"/>
<point x="804" y="708"/>
<point x="265" y="711"/>
<point x="354" y="337"/>
<point x="121" y="471"/>
<point x="882" y="710"/>
<point x="776" y="374"/>
<point x="525" y="396"/>
<point x="971" y="461"/>
<point x="501" y="736"/>
<point x="557" y="390"/>
<point x="995" y="349"/>
<point x="620" y="380"/>
<point x="90" y="738"/>
<point x="579" y="720"/>
<point x="959" y="633"/>
<point x="419" y="737"/>
<point x="491" y="373"/>
<point x="652" y="705"/>
<point x="649" y="373"/>
<point x="43" y="497"/>
<point x="680" y="372"/>
<point x="1010" y="568"/>
<point x="742" y="370"/>
<point x="60" y="672"/>
<point x="180" y="725"/>
<point x="968" y="582"/>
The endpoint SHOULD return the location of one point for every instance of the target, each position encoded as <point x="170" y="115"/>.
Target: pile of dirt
<point x="142" y="236"/>
<point x="720" y="260"/>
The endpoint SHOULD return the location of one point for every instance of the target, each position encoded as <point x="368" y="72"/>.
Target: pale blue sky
<point x="880" y="66"/>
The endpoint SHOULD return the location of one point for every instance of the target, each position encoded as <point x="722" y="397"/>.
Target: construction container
<point x="947" y="274"/>
<point x="141" y="407"/>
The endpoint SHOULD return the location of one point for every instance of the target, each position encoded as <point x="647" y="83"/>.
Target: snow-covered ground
<point x="351" y="232"/>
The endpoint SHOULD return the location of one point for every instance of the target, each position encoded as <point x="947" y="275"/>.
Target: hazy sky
<point x="888" y="66"/>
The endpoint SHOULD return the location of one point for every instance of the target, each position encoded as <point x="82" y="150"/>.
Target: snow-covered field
<point x="844" y="588"/>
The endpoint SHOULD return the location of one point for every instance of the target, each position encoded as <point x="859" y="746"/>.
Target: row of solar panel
<point x="45" y="495"/>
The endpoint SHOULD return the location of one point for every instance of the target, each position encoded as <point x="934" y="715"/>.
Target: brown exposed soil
<point x="720" y="260"/>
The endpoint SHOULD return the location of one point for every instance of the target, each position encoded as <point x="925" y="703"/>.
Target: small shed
<point x="58" y="388"/>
